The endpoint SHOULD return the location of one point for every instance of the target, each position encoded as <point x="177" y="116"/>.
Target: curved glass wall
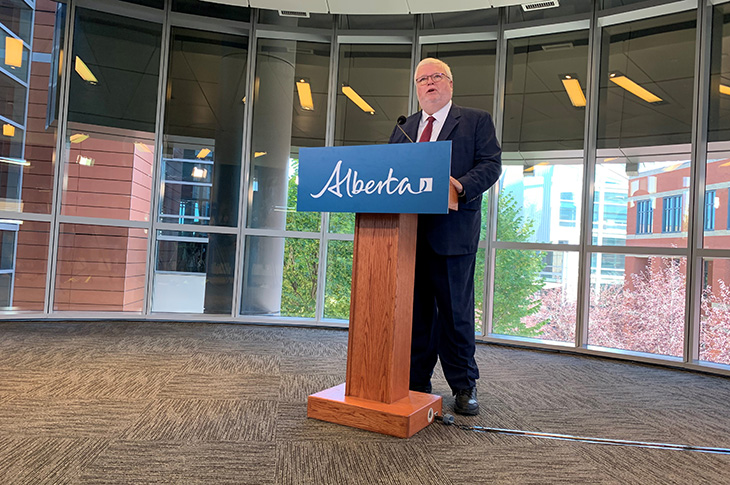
<point x="178" y="132"/>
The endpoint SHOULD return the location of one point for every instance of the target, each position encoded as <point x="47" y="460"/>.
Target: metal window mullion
<point x="58" y="171"/>
<point x="695" y="231"/>
<point x="329" y="138"/>
<point x="500" y="78"/>
<point x="157" y="166"/>
<point x="590" y="143"/>
<point x="238" y="271"/>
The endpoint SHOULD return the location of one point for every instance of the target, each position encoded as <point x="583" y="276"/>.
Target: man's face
<point x="433" y="95"/>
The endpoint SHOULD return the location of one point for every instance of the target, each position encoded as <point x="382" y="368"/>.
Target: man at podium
<point x="443" y="301"/>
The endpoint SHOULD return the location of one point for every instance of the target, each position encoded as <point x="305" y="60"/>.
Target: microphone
<point x="402" y="120"/>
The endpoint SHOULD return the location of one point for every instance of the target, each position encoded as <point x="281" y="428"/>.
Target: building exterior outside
<point x="148" y="164"/>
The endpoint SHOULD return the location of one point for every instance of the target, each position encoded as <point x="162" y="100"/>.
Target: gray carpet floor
<point x="149" y="402"/>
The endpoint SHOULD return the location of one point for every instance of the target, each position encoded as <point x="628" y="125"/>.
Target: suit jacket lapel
<point x="451" y="121"/>
<point x="411" y="126"/>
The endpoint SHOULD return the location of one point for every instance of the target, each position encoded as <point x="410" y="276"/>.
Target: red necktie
<point x="426" y="135"/>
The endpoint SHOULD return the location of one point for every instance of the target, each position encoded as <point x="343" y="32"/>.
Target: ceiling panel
<point x="369" y="7"/>
<point x="235" y="3"/>
<point x="311" y="6"/>
<point x="372" y="7"/>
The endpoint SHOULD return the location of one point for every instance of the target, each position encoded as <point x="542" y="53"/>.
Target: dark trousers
<point x="443" y="319"/>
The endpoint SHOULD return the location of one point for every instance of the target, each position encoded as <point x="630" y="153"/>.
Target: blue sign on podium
<point x="404" y="178"/>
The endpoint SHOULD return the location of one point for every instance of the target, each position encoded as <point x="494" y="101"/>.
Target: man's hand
<point x="455" y="188"/>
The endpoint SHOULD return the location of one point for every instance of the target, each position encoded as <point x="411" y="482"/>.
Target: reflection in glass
<point x="100" y="268"/>
<point x="212" y="9"/>
<point x="283" y="282"/>
<point x="641" y="200"/>
<point x="381" y="75"/>
<point x="112" y="104"/>
<point x="23" y="256"/>
<point x="535" y="294"/>
<point x="657" y="55"/>
<point x="653" y="288"/>
<point x="17" y="16"/>
<point x="539" y="113"/>
<point x="194" y="272"/>
<point x="715" y="311"/>
<point x="290" y="112"/>
<point x="473" y="66"/>
<point x="454" y="20"/>
<point x="201" y="164"/>
<point x="717" y="175"/>
<point x="540" y="202"/>
<point x="339" y="280"/>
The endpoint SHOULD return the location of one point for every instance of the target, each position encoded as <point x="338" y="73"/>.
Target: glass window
<point x="280" y="277"/>
<point x="539" y="202"/>
<point x="709" y="213"/>
<point x="194" y="272"/>
<point x="646" y="82"/>
<point x="290" y="112"/>
<point x="616" y="300"/>
<point x="472" y="65"/>
<point x="672" y="213"/>
<point x="148" y="3"/>
<point x="376" y="22"/>
<point x="717" y="174"/>
<point x="23" y="265"/>
<point x="454" y="20"/>
<point x="535" y="294"/>
<point x="339" y="280"/>
<point x="715" y="312"/>
<point x="111" y="120"/>
<point x="645" y="127"/>
<point x="17" y="16"/>
<point x="644" y="217"/>
<point x="544" y="105"/>
<point x="203" y="137"/>
<point x="100" y="268"/>
<point x="212" y="9"/>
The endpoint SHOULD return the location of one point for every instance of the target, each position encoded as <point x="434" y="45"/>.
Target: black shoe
<point x="466" y="402"/>
<point x="426" y="388"/>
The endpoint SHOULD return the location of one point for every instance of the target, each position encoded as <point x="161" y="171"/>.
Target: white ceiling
<point x="361" y="7"/>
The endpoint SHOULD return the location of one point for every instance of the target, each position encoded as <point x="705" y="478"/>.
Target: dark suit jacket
<point x="476" y="162"/>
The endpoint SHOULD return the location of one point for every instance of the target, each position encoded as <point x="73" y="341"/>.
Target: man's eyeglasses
<point x="436" y="78"/>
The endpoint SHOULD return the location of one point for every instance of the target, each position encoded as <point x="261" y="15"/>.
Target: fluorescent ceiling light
<point x="634" y="88"/>
<point x="305" y="95"/>
<point x="8" y="129"/>
<point x="355" y="98"/>
<point x="77" y="137"/>
<point x="575" y="92"/>
<point x="13" y="52"/>
<point x="11" y="221"/>
<point x="85" y="73"/>
<point x="724" y="89"/>
<point x="203" y="153"/>
<point x="15" y="161"/>
<point x="85" y="161"/>
<point x="199" y="173"/>
<point x="142" y="147"/>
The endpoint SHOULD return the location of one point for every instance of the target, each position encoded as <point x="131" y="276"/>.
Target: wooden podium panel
<point x="402" y="419"/>
<point x="375" y="395"/>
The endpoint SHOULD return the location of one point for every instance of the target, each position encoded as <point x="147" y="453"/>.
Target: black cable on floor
<point x="448" y="420"/>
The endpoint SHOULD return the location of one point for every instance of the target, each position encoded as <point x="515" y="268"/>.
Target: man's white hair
<point x="433" y="60"/>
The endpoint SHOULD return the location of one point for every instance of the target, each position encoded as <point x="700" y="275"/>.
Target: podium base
<point x="402" y="419"/>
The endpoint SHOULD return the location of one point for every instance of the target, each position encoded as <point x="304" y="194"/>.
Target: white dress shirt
<point x="440" y="118"/>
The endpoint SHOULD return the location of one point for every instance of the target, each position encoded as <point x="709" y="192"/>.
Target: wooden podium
<point x="387" y="186"/>
<point x="375" y="395"/>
